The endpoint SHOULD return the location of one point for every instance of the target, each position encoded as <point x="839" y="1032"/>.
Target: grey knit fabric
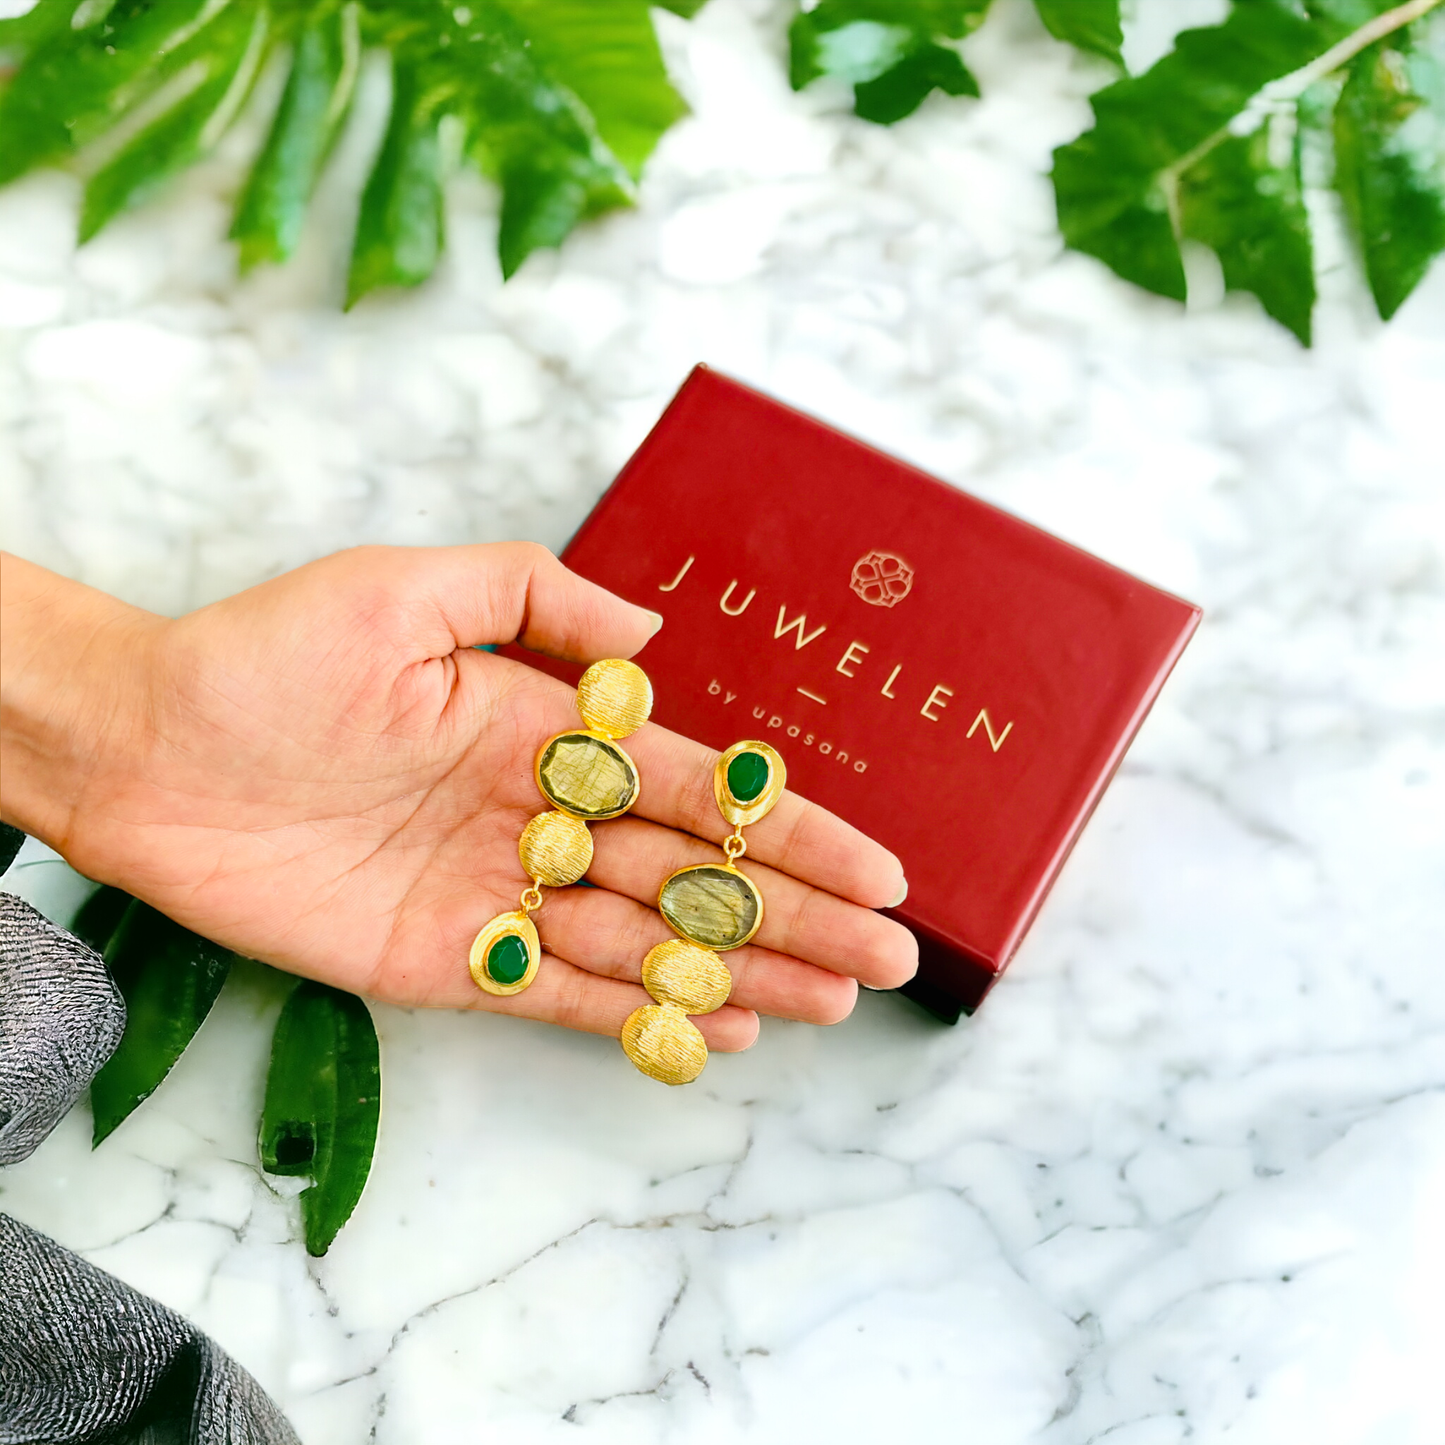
<point x="60" y="1020"/>
<point x="85" y="1359"/>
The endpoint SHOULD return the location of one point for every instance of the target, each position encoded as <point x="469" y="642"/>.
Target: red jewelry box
<point x="955" y="682"/>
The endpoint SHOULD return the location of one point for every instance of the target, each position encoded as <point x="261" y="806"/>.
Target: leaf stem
<point x="1294" y="85"/>
<point x="1289" y="88"/>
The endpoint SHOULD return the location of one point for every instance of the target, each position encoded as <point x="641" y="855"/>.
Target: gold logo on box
<point x="854" y="656"/>
<point x="882" y="579"/>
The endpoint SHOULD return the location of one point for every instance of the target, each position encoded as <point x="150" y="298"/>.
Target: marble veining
<point x="1181" y="1178"/>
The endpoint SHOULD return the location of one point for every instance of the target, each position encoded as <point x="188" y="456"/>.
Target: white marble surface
<point x="1184" y="1175"/>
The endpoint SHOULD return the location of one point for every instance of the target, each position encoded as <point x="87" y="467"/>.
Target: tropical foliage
<point x="323" y="1088"/>
<point x="562" y="101"/>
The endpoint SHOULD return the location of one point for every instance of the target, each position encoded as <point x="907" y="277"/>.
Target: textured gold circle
<point x="693" y="978"/>
<point x="555" y="849"/>
<point x="664" y="1043"/>
<point x="614" y="697"/>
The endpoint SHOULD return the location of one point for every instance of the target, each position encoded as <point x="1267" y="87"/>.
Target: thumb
<point x="520" y="592"/>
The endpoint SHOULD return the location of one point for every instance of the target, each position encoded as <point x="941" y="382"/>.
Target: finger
<point x="573" y="998"/>
<point x="520" y="592"/>
<point x="633" y="857"/>
<point x="797" y="837"/>
<point x="610" y="935"/>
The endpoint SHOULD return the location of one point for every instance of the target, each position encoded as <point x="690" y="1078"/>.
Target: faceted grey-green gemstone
<point x="587" y="776"/>
<point x="711" y="906"/>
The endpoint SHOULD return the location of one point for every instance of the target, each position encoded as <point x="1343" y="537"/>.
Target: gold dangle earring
<point x="715" y="908"/>
<point x="586" y="777"/>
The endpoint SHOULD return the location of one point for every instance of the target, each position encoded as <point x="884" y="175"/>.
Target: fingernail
<point x="656" y="620"/>
<point x="902" y="894"/>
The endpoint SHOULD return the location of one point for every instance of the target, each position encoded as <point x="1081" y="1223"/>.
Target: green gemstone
<point x="711" y="906"/>
<point x="747" y="776"/>
<point x="587" y="777"/>
<point x="508" y="960"/>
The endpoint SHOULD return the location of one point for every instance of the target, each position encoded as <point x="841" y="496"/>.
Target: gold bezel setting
<point x="613" y="746"/>
<point x="728" y="868"/>
<point x="737" y="812"/>
<point x="504" y="923"/>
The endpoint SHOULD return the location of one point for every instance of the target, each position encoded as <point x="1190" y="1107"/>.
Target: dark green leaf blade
<point x="1390" y="164"/>
<point x="186" y="131"/>
<point x="1248" y="205"/>
<point x="1091" y="25"/>
<point x="1117" y="185"/>
<point x="900" y="90"/>
<point x="887" y="50"/>
<point x="73" y="85"/>
<point x="542" y="204"/>
<point x="44" y="19"/>
<point x="169" y="978"/>
<point x="323" y="1103"/>
<point x="314" y="104"/>
<point x="97" y="919"/>
<point x="531" y="132"/>
<point x="399" y="230"/>
<point x="606" y="53"/>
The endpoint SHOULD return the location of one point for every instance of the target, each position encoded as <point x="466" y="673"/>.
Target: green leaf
<point x="323" y="1101"/>
<point x="887" y="50"/>
<point x="1245" y="200"/>
<point x="561" y="101"/>
<point x="1116" y="186"/>
<point x="399" y="230"/>
<point x="313" y="106"/>
<point x="1091" y="25"/>
<point x="1390" y="164"/>
<point x="607" y="55"/>
<point x="44" y="19"/>
<point x="169" y="978"/>
<point x="74" y="85"/>
<point x="215" y="87"/>
<point x="97" y="919"/>
<point x="1205" y="145"/>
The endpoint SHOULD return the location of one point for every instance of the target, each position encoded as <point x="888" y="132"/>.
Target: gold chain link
<point x="531" y="898"/>
<point x="735" y="846"/>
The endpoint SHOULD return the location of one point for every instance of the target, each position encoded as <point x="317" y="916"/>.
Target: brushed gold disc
<point x="681" y="973"/>
<point x="614" y="697"/>
<point x="555" y="849"/>
<point x="664" y="1044"/>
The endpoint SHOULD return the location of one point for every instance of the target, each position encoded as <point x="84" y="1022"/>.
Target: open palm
<point x="322" y="772"/>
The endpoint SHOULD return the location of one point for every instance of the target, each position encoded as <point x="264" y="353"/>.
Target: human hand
<point x="322" y="773"/>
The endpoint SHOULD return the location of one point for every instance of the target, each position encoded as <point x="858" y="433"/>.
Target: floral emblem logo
<point x="882" y="579"/>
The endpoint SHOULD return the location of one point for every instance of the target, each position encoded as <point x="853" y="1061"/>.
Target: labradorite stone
<point x="587" y="776"/>
<point x="747" y="776"/>
<point x="711" y="906"/>
<point x="507" y="959"/>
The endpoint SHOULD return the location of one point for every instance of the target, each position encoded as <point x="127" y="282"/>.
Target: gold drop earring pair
<point x="588" y="777"/>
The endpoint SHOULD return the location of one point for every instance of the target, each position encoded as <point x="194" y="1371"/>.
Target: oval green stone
<point x="711" y="906"/>
<point x="586" y="776"/>
<point x="507" y="959"/>
<point x="747" y="776"/>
